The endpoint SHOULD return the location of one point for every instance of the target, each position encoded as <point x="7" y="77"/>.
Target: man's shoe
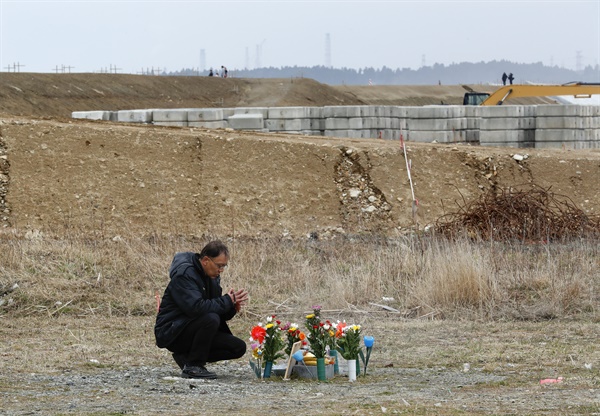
<point x="197" y="371"/>
<point x="180" y="359"/>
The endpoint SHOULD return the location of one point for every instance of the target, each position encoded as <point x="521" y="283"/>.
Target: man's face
<point x="213" y="266"/>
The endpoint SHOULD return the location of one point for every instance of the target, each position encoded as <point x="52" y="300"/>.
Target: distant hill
<point x="460" y="73"/>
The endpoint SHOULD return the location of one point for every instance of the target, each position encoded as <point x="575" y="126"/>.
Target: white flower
<point x="326" y="327"/>
<point x="269" y="319"/>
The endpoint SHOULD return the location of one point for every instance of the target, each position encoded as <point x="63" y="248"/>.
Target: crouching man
<point x="193" y="314"/>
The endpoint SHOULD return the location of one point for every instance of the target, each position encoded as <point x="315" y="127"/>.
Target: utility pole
<point x="18" y="66"/>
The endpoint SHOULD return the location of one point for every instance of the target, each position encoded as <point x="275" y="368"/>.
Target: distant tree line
<point x="461" y="73"/>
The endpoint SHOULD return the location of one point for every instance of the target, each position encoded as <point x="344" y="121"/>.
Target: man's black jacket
<point x="189" y="295"/>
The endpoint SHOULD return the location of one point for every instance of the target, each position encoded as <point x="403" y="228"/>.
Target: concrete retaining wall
<point x="542" y="126"/>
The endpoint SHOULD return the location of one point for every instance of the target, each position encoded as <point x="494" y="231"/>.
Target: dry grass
<point x="425" y="277"/>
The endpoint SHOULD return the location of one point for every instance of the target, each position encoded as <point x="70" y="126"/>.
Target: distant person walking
<point x="504" y="78"/>
<point x="223" y="71"/>
<point x="210" y="73"/>
<point x="511" y="78"/>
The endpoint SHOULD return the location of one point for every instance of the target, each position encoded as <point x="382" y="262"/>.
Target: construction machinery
<point x="576" y="89"/>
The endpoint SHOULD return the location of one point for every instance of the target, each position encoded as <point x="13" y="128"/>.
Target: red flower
<point x="258" y="333"/>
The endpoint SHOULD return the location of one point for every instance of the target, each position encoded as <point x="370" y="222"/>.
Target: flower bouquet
<point x="348" y="345"/>
<point x="317" y="334"/>
<point x="321" y="337"/>
<point x="293" y="335"/>
<point x="267" y="345"/>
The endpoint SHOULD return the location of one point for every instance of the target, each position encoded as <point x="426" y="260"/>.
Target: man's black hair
<point x="214" y="249"/>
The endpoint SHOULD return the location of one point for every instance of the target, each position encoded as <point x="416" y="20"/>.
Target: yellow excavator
<point x="576" y="89"/>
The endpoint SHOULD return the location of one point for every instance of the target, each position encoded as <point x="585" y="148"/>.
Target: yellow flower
<point x="311" y="316"/>
<point x="269" y="325"/>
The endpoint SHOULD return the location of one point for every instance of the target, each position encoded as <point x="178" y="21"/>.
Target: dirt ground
<point x="58" y="175"/>
<point x="111" y="366"/>
<point x="62" y="173"/>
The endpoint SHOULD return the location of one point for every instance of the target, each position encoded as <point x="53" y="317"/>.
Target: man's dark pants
<point x="201" y="342"/>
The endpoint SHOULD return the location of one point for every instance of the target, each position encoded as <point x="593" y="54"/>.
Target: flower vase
<point x="336" y="366"/>
<point x="352" y="364"/>
<point x="268" y="367"/>
<point x="321" y="375"/>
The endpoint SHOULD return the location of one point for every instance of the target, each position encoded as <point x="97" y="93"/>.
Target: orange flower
<point x="340" y="329"/>
<point x="301" y="336"/>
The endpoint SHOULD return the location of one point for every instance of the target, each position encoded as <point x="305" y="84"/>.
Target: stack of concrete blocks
<point x="507" y="126"/>
<point x="296" y="120"/>
<point x="175" y="117"/>
<point x="567" y="126"/>
<point x="95" y="115"/>
<point x="546" y="126"/>
<point x="246" y="118"/>
<point x="442" y="124"/>
<point x="134" y="116"/>
<point x="383" y="122"/>
<point x="210" y="118"/>
<point x="359" y="122"/>
<point x="473" y="116"/>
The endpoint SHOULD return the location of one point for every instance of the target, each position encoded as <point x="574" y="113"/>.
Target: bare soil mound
<point x="58" y="173"/>
<point x="58" y="95"/>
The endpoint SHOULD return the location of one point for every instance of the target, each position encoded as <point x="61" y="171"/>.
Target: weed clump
<point x="530" y="215"/>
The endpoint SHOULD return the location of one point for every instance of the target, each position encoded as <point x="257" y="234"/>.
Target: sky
<point x="128" y="36"/>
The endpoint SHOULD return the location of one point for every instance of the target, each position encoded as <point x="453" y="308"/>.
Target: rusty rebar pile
<point x="534" y="214"/>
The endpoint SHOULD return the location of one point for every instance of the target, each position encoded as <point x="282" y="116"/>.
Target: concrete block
<point x="398" y="112"/>
<point x="430" y="111"/>
<point x="288" y="112"/>
<point x="503" y="136"/>
<point x="341" y="111"/>
<point x="560" y="110"/>
<point x="170" y="115"/>
<point x="134" y="116"/>
<point x="246" y="121"/>
<point x="502" y="111"/>
<point x="473" y="123"/>
<point x="339" y="123"/>
<point x="559" y="135"/>
<point x="287" y="124"/>
<point x="170" y="123"/>
<point x="472" y="110"/>
<point x="430" y="136"/>
<point x="91" y="115"/>
<point x="315" y="112"/>
<point x="205" y="114"/>
<point x="519" y="144"/>
<point x="220" y="124"/>
<point x="228" y="112"/>
<point x="264" y="111"/>
<point x="560" y="122"/>
<point x="312" y="132"/>
<point x="514" y="123"/>
<point x="568" y="145"/>
<point x="355" y="123"/>
<point x="471" y="136"/>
